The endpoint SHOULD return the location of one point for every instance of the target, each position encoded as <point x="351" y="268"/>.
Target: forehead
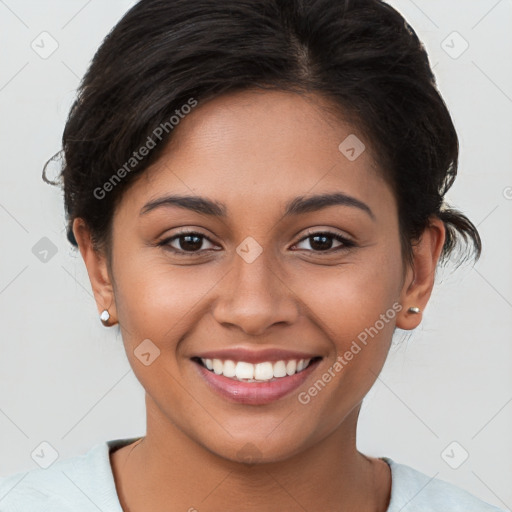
<point x="263" y="148"/>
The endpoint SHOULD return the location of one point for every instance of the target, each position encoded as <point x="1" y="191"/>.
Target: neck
<point x="167" y="470"/>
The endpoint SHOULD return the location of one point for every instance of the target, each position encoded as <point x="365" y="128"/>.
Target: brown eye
<point x="323" y="241"/>
<point x="187" y="243"/>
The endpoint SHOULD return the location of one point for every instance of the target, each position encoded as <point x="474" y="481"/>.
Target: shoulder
<point x="412" y="490"/>
<point x="81" y="483"/>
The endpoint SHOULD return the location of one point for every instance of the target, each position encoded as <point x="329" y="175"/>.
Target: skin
<point x="254" y="151"/>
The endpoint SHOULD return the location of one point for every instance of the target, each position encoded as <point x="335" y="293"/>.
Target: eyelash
<point x="347" y="244"/>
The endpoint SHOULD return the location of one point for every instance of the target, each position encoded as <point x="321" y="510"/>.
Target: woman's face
<point x="254" y="285"/>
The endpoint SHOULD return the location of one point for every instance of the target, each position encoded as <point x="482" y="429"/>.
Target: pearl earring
<point x="104" y="317"/>
<point x="414" y="310"/>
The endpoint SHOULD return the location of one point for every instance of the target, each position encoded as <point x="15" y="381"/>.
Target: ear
<point x="420" y="277"/>
<point x="96" y="263"/>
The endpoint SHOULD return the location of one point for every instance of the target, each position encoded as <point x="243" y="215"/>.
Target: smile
<point x="254" y="378"/>
<point x="266" y="371"/>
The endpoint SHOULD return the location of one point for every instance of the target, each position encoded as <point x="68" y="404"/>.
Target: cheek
<point x="356" y="306"/>
<point x="155" y="299"/>
<point x="349" y="298"/>
<point x="359" y="323"/>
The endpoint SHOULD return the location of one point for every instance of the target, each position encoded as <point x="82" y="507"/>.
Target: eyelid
<point x="326" y="231"/>
<point x="165" y="242"/>
<point x="345" y="241"/>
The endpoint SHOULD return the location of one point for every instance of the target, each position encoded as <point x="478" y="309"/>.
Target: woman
<point x="257" y="191"/>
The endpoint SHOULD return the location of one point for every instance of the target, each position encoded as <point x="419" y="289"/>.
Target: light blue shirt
<point x="85" y="483"/>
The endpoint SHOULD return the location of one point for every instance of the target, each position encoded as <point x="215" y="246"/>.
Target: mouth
<point x="266" y="371"/>
<point x="254" y="383"/>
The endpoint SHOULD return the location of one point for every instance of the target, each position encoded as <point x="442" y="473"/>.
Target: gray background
<point x="65" y="379"/>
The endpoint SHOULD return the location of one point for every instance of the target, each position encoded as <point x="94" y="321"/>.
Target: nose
<point x="255" y="296"/>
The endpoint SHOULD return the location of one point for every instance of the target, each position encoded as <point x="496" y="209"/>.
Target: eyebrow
<point x="297" y="206"/>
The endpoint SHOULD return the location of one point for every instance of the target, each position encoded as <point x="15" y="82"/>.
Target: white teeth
<point x="291" y="367"/>
<point x="265" y="371"/>
<point x="280" y="369"/>
<point x="217" y="366"/>
<point x="229" y="369"/>
<point x="244" y="370"/>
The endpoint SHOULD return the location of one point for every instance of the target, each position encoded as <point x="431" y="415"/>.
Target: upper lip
<point x="255" y="356"/>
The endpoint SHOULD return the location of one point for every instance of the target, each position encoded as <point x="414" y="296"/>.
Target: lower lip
<point x="254" y="393"/>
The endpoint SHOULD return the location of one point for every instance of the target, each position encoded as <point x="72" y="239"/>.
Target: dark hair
<point x="359" y="54"/>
